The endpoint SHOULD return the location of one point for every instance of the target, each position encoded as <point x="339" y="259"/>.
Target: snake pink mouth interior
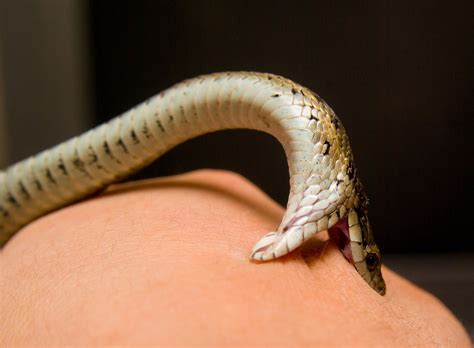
<point x="339" y="233"/>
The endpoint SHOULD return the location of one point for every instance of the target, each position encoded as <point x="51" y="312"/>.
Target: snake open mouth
<point x="339" y="233"/>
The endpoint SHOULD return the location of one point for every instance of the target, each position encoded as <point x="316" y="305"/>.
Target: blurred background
<point x="399" y="75"/>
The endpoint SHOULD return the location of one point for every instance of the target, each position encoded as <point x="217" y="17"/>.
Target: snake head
<point x="370" y="268"/>
<point x="354" y="237"/>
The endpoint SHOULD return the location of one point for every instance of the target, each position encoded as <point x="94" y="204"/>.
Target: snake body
<point x="325" y="191"/>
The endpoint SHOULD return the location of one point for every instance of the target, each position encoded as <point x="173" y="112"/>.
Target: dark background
<point x="398" y="74"/>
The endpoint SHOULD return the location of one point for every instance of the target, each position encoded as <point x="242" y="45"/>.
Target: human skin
<point x="166" y="262"/>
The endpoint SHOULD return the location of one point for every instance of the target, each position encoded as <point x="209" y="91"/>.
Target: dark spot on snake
<point x="276" y="95"/>
<point x="350" y="170"/>
<point x="171" y="117"/>
<point x="294" y="91"/>
<point x="12" y="200"/>
<point x="102" y="168"/>
<point x="334" y="120"/>
<point x="39" y="187"/>
<point x="49" y="175"/>
<point x="23" y="190"/>
<point x="146" y="131"/>
<point x="109" y="153"/>
<point x="270" y="78"/>
<point x="106" y="147"/>
<point x="92" y="155"/>
<point x="62" y="167"/>
<point x="134" y="137"/>
<point x="122" y="145"/>
<point x="79" y="164"/>
<point x="328" y="146"/>
<point x="158" y="122"/>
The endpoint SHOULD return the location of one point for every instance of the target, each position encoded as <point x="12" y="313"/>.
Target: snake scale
<point x="325" y="191"/>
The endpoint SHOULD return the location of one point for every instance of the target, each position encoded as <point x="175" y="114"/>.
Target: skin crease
<point x="167" y="262"/>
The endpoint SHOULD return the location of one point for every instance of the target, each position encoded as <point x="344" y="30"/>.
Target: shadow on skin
<point x="166" y="262"/>
<point x="195" y="183"/>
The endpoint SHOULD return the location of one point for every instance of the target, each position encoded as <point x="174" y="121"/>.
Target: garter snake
<point x="325" y="190"/>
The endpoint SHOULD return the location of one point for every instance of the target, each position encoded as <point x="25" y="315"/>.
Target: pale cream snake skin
<point x="325" y="192"/>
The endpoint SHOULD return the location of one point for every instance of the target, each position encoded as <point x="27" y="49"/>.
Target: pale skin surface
<point x="167" y="262"/>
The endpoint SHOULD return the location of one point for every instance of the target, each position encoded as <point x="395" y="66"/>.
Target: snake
<point x="325" y="189"/>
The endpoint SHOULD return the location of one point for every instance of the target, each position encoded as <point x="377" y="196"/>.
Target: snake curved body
<point x="325" y="191"/>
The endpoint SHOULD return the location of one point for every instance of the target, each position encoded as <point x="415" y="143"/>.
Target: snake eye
<point x="372" y="260"/>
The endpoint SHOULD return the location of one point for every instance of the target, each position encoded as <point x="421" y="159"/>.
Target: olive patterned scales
<point x="325" y="192"/>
